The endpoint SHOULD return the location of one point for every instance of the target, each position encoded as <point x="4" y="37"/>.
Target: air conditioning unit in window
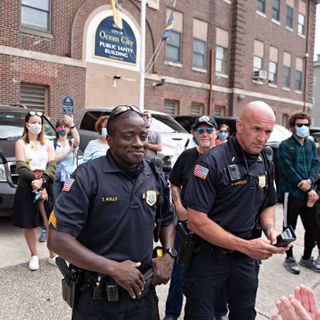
<point x="260" y="75"/>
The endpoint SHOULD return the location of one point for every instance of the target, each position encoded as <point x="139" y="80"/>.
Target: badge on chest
<point x="151" y="197"/>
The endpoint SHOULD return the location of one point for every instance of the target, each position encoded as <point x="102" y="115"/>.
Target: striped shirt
<point x="94" y="150"/>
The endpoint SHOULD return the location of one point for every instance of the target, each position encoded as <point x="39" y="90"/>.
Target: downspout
<point x="211" y="110"/>
<point x="306" y="58"/>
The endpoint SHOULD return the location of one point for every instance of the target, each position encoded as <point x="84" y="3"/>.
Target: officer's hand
<point x="162" y="268"/>
<point x="262" y="249"/>
<point x="129" y="277"/>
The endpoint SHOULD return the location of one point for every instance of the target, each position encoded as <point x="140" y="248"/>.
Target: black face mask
<point x="132" y="173"/>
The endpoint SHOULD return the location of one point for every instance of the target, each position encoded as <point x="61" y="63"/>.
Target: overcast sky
<point x="317" y="39"/>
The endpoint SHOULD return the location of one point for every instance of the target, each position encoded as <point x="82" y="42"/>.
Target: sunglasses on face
<point x="36" y="113"/>
<point x="124" y="108"/>
<point x="302" y="124"/>
<point x="202" y="130"/>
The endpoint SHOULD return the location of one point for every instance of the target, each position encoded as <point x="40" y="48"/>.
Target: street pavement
<point x="37" y="295"/>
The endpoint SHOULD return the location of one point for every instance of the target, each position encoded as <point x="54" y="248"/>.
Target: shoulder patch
<point x="200" y="172"/>
<point x="67" y="184"/>
<point x="53" y="220"/>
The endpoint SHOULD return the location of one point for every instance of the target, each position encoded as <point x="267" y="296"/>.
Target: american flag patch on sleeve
<point x="67" y="184"/>
<point x="200" y="172"/>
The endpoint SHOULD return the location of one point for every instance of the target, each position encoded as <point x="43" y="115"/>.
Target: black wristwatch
<point x="172" y="251"/>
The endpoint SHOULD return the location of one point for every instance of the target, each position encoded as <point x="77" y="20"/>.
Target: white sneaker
<point x="52" y="261"/>
<point x="34" y="263"/>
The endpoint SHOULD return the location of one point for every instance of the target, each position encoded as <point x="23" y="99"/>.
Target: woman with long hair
<point x="35" y="165"/>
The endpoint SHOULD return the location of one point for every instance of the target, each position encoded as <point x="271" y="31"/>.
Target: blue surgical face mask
<point x="104" y="132"/>
<point x="223" y="135"/>
<point x="302" y="132"/>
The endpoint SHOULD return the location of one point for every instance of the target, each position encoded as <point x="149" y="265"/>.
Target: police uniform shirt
<point x="231" y="204"/>
<point x="110" y="213"/>
<point x="183" y="168"/>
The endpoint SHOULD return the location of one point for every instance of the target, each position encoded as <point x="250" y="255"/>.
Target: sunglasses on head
<point x="302" y="124"/>
<point x="202" y="130"/>
<point x="36" y="113"/>
<point x="124" y="108"/>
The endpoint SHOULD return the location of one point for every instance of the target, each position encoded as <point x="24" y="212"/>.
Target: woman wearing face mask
<point x="223" y="134"/>
<point x="65" y="149"/>
<point x="35" y="164"/>
<point x="98" y="147"/>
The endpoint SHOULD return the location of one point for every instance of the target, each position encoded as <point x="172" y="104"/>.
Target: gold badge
<point x="262" y="181"/>
<point x="151" y="197"/>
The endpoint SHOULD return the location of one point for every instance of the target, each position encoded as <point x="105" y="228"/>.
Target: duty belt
<point x="105" y="287"/>
<point x="213" y="248"/>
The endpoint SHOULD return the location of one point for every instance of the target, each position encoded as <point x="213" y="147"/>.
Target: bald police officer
<point x="103" y="224"/>
<point x="230" y="185"/>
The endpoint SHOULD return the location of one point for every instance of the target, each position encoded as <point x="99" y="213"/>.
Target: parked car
<point x="174" y="136"/>
<point x="11" y="128"/>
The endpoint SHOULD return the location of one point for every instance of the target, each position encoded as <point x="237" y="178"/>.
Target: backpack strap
<point x="156" y="166"/>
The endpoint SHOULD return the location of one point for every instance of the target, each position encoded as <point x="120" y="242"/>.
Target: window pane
<point x="172" y="53"/>
<point x="301" y="23"/>
<point x="199" y="46"/>
<point x="276" y="10"/>
<point x="170" y="107"/>
<point x="174" y="39"/>
<point x="298" y="80"/>
<point x="198" y="60"/>
<point x="34" y="17"/>
<point x="289" y="17"/>
<point x="257" y="63"/>
<point x="261" y="6"/>
<point x="272" y="74"/>
<point x="286" y="76"/>
<point x="39" y="4"/>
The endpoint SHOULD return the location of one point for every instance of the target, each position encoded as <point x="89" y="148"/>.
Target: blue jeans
<point x="175" y="295"/>
<point x="57" y="187"/>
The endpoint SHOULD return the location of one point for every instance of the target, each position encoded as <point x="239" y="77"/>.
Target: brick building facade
<point x="243" y="50"/>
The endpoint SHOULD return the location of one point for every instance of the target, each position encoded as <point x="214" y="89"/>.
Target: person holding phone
<point x="225" y="208"/>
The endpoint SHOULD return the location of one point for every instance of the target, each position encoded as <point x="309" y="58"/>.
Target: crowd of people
<point x="105" y="216"/>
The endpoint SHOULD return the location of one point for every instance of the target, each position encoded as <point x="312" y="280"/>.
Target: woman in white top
<point x="35" y="164"/>
<point x="98" y="147"/>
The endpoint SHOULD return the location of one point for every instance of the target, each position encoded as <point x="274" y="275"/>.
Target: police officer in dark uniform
<point x="103" y="224"/>
<point x="231" y="185"/>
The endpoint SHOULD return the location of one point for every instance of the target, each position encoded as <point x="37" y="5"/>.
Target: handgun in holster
<point x="70" y="282"/>
<point x="147" y="282"/>
<point x="187" y="244"/>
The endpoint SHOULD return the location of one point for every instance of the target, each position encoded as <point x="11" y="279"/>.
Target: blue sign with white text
<point x="116" y="44"/>
<point x="67" y="105"/>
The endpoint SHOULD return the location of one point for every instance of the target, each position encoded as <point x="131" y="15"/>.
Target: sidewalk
<point x="37" y="295"/>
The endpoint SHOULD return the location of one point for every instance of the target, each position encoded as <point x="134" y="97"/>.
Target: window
<point x="173" y="47"/>
<point x="261" y="6"/>
<point x="258" y="55"/>
<point x="286" y="70"/>
<point x="284" y="120"/>
<point x="199" y="47"/>
<point x="219" y="111"/>
<point x="273" y="65"/>
<point x="34" y="97"/>
<point x="300" y="24"/>
<point x="221" y="60"/>
<point x="197" y="109"/>
<point x="199" y="53"/>
<point x="272" y="76"/>
<point x="298" y="78"/>
<point x="286" y="76"/>
<point x="35" y="14"/>
<point x="301" y="18"/>
<point x="289" y="17"/>
<point x="171" y="107"/>
<point x="222" y="51"/>
<point x="276" y="10"/>
<point x="173" y="50"/>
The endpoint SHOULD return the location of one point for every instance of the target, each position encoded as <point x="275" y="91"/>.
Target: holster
<point x="187" y="244"/>
<point x="70" y="282"/>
